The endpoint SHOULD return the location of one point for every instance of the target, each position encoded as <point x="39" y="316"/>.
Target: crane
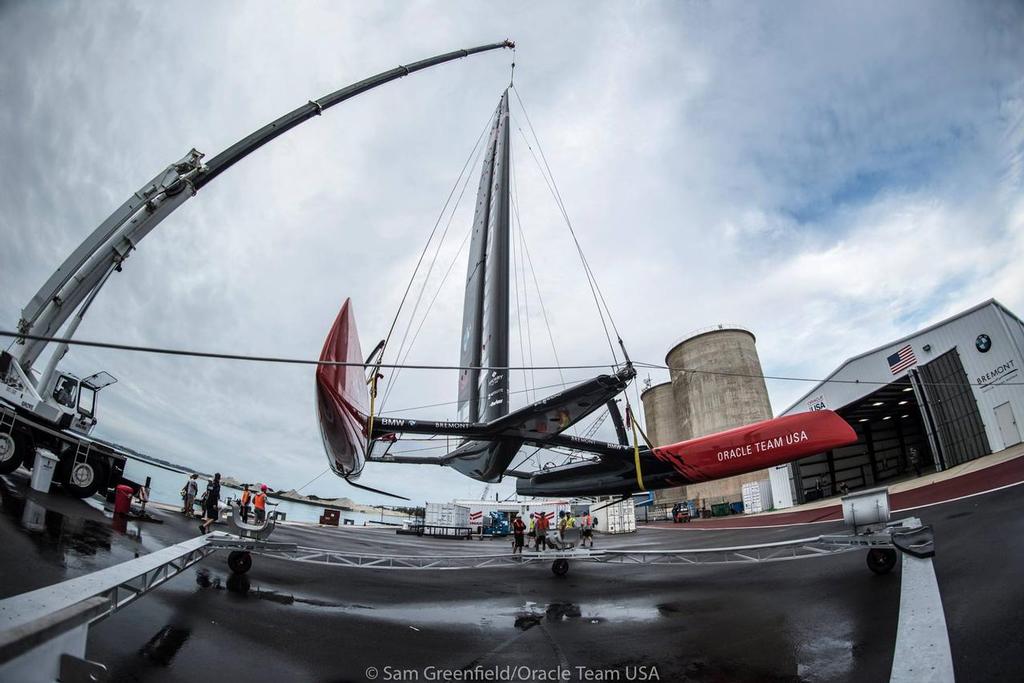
<point x="55" y="409"/>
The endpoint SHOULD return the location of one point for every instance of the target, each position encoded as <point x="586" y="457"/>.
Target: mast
<point x="483" y="395"/>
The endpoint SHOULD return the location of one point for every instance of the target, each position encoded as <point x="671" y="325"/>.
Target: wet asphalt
<point x="820" y="619"/>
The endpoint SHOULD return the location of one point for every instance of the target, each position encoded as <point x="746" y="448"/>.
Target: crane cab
<point x="75" y="399"/>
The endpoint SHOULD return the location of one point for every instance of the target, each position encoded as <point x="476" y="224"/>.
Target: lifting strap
<point x="636" y="445"/>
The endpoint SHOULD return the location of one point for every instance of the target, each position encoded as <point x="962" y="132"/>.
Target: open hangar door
<point x="954" y="421"/>
<point x="932" y="410"/>
<point x="888" y="423"/>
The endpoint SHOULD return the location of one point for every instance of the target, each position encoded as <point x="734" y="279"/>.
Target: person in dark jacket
<point x="211" y="504"/>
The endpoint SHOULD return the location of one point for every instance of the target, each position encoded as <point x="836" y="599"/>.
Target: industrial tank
<point x="666" y="422"/>
<point x="717" y="379"/>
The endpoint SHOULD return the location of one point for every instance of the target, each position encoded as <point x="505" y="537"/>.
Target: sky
<point x="829" y="175"/>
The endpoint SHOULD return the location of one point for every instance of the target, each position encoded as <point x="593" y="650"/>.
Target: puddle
<point x="241" y="585"/>
<point x="162" y="647"/>
<point x="84" y="532"/>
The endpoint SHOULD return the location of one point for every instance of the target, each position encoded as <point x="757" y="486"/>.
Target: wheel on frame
<point x="239" y="561"/>
<point x="560" y="567"/>
<point x="85" y="478"/>
<point x="881" y="560"/>
<point x="10" y="454"/>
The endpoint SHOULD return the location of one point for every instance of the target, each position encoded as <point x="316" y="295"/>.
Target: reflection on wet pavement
<point x="163" y="646"/>
<point x="58" y="536"/>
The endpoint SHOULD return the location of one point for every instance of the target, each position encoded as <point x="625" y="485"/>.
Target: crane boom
<point x="88" y="267"/>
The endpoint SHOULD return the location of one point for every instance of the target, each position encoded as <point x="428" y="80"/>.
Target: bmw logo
<point x="983" y="343"/>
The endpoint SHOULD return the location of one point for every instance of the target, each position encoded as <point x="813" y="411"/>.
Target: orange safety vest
<point x="245" y="497"/>
<point x="260" y="501"/>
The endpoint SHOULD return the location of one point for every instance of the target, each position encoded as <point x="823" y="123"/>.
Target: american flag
<point x="901" y="360"/>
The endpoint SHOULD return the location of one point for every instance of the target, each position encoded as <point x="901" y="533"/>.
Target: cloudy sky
<point x="829" y="175"/>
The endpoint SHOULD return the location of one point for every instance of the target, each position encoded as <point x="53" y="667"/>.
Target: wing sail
<point x="483" y="394"/>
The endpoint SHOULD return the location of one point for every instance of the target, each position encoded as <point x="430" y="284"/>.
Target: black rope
<point x="424" y="366"/>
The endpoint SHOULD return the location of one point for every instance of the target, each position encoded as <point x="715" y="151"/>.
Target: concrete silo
<point x="667" y="423"/>
<point x="716" y="375"/>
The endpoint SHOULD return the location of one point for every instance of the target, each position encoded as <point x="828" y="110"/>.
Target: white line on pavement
<point x="922" y="641"/>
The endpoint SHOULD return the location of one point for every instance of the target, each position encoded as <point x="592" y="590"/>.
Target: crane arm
<point x="86" y="269"/>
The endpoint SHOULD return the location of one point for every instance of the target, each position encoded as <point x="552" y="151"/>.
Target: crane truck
<point x="56" y="410"/>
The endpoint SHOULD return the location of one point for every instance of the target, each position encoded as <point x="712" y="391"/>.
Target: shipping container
<point x="757" y="496"/>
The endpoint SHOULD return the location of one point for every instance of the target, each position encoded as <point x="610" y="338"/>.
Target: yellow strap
<point x="636" y="452"/>
<point x="373" y="400"/>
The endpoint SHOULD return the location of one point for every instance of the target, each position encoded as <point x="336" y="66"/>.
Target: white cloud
<point x="829" y="176"/>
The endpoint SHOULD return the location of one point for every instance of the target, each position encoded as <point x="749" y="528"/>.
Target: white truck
<point x="56" y="410"/>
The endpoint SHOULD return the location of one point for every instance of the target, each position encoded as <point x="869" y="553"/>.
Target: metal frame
<point x="43" y="632"/>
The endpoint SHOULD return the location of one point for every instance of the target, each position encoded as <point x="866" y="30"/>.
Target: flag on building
<point x="901" y="360"/>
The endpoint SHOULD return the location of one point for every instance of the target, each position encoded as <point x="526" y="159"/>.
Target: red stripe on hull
<point x="757" y="446"/>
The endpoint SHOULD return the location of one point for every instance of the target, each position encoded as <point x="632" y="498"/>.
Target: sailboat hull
<point x="342" y="398"/>
<point x="725" y="454"/>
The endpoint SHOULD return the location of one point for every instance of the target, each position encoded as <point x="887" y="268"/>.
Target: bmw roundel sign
<point x="983" y="343"/>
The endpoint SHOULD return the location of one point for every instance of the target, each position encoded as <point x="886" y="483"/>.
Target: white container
<point x="866" y="507"/>
<point x="757" y="496"/>
<point x="446" y="514"/>
<point x="43" y="469"/>
<point x="619" y="518"/>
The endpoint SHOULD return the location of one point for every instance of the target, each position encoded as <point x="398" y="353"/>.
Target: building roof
<point x="945" y="321"/>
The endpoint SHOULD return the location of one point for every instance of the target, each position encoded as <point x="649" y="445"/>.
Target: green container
<point x="719" y="509"/>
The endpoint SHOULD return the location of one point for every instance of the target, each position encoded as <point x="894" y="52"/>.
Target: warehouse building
<point x="942" y="396"/>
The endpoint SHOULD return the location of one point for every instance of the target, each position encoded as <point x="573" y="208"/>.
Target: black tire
<point x="239" y="561"/>
<point x="560" y="567"/>
<point x="85" y="478"/>
<point x="881" y="560"/>
<point x="10" y="453"/>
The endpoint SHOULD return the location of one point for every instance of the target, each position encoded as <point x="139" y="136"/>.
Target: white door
<point x="1007" y="425"/>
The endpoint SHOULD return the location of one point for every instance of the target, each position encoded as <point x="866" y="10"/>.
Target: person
<point x="211" y="504"/>
<point x="259" y="502"/>
<point x="243" y="505"/>
<point x="540" y="530"/>
<point x="563" y="524"/>
<point x="587" y="530"/>
<point x="843" y="488"/>
<point x="190" y="490"/>
<point x="915" y="461"/>
<point x="518" y="530"/>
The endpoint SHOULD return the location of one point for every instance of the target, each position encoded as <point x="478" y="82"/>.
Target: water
<point x="166" y="484"/>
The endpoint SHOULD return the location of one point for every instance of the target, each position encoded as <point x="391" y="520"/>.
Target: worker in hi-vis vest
<point x="259" y="502"/>
<point x="244" y="500"/>
<point x="587" y="533"/>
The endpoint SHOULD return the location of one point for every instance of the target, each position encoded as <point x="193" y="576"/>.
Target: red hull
<point x="757" y="446"/>
<point x="342" y="397"/>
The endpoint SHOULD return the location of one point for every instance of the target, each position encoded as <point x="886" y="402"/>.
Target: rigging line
<point x="827" y="380"/>
<point x="523" y="461"/>
<point x="586" y="268"/>
<point x="561" y="202"/>
<point x="408" y="349"/>
<point x="526" y="290"/>
<point x="313" y="479"/>
<point x="540" y="298"/>
<point x="424" y="366"/>
<point x="516" y="257"/>
<point x="568" y="222"/>
<point x="430" y="307"/>
<point x="426" y="248"/>
<point x="280" y="359"/>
